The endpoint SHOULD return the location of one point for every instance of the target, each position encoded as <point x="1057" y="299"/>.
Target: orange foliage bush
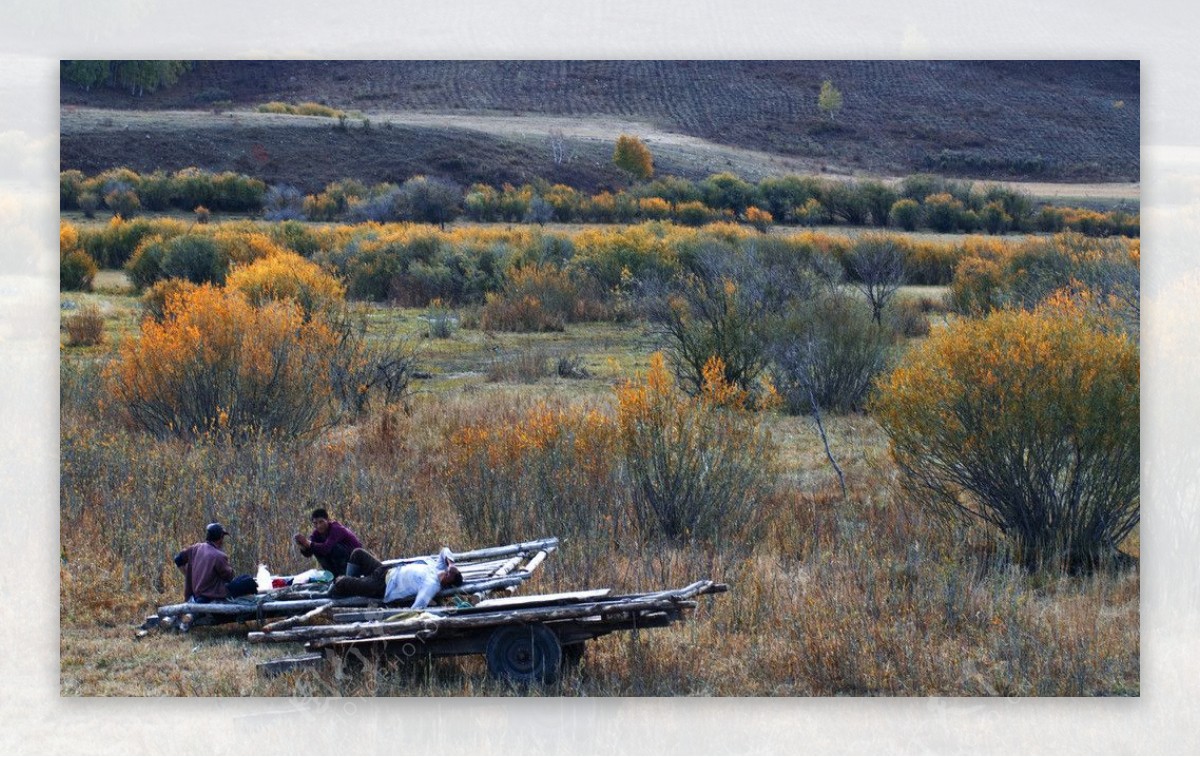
<point x="287" y="276"/>
<point x="1027" y="421"/>
<point x="759" y="219"/>
<point x="549" y="466"/>
<point x="216" y="364"/>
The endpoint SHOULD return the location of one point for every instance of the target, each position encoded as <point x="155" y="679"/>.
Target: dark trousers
<point x="335" y="561"/>
<point x="241" y="586"/>
<point x="371" y="581"/>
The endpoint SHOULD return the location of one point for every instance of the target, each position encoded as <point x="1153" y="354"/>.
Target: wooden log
<point x="293" y="606"/>
<point x="439" y="625"/>
<point x="474" y="555"/>
<point x="358" y="616"/>
<point x="531" y="566"/>
<point x="285" y="607"/>
<point x="296" y="620"/>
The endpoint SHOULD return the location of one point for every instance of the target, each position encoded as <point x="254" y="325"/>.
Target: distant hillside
<point x="1024" y="120"/>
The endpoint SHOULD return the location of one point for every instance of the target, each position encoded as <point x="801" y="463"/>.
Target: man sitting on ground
<point x="421" y="579"/>
<point x="331" y="543"/>
<point x="207" y="576"/>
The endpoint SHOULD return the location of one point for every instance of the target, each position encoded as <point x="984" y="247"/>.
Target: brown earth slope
<point x="1044" y="121"/>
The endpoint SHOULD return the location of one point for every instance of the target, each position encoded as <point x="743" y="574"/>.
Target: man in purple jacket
<point x="331" y="543"/>
<point x="207" y="576"/>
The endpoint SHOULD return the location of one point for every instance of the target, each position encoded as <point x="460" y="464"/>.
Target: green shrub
<point x="76" y="271"/>
<point x="195" y="258"/>
<point x="145" y="266"/>
<point x="70" y="184"/>
<point x="828" y="351"/>
<point x="698" y="466"/>
<point x="905" y="214"/>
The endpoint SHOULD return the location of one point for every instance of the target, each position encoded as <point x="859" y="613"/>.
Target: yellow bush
<point x="242" y="247"/>
<point x="216" y="364"/>
<point x="546" y="467"/>
<point x="698" y="465"/>
<point x="287" y="276"/>
<point x="1027" y="421"/>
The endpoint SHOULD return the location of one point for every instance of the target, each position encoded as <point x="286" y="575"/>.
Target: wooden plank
<point x="285" y="664"/>
<point x="538" y="599"/>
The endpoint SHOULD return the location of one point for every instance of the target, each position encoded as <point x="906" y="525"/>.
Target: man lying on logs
<point x="421" y="579"/>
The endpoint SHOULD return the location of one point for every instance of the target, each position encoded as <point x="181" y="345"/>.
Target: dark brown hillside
<point x="1046" y="120"/>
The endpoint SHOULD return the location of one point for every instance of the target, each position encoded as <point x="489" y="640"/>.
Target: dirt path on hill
<point x="703" y="155"/>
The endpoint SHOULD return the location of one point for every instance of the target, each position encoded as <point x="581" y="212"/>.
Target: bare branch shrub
<point x="875" y="266"/>
<point x="85" y="328"/>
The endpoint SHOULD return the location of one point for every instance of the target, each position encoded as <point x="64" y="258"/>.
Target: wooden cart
<point x="525" y="639"/>
<point x="485" y="571"/>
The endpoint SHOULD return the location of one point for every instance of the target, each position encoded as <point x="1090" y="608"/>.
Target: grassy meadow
<point x="869" y="593"/>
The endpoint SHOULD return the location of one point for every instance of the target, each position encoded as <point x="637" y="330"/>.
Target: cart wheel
<point x="524" y="654"/>
<point x="572" y="654"/>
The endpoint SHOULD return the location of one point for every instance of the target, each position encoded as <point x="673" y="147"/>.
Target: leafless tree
<point x="876" y="268"/>
<point x="558" y="146"/>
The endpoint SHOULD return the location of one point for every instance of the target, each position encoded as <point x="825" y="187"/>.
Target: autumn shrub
<point x="85" y="328"/>
<point x="287" y="276"/>
<point x="535" y="298"/>
<point x="698" y="466"/>
<point x="217" y="364"/>
<point x="154" y="300"/>
<point x="1026" y="274"/>
<point x="1027" y="421"/>
<point x="759" y="219"/>
<point x="122" y="201"/>
<point x="525" y="366"/>
<point x="549" y="468"/>
<point x="113" y="244"/>
<point x="242" y="247"/>
<point x="723" y="305"/>
<point x="76" y="269"/>
<point x="827" y="352"/>
<point x="632" y="156"/>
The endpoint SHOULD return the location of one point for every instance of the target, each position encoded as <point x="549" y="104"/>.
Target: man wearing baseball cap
<point x="207" y="576"/>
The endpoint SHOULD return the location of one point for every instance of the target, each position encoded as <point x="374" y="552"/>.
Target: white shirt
<point x="417" y="579"/>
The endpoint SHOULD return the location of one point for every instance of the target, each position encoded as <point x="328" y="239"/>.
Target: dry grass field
<point x="865" y="595"/>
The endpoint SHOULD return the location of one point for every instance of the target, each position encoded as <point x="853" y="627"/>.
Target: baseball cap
<point x="215" y="531"/>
